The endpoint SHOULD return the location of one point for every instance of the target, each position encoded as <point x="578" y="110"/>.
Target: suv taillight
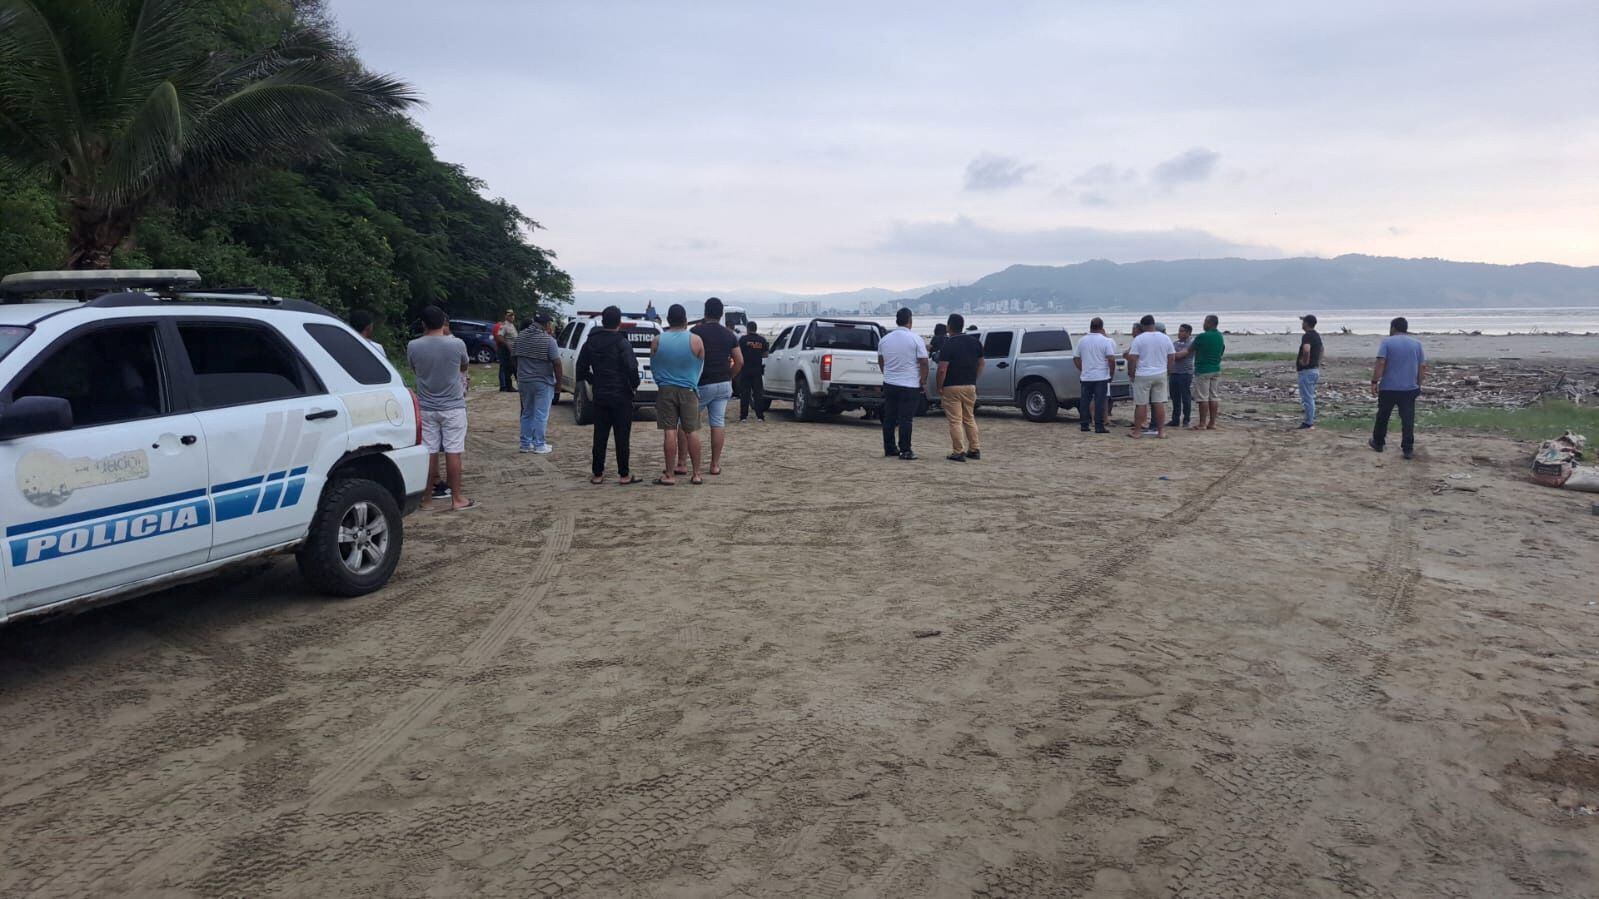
<point x="827" y="367"/>
<point x="416" y="410"/>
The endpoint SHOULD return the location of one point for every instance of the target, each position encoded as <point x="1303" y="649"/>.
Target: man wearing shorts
<point x="1150" y="358"/>
<point x="1208" y="349"/>
<point x="723" y="360"/>
<point x="439" y="362"/>
<point x="677" y="361"/>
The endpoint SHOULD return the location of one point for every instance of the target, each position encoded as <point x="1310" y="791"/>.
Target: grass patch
<point x="1258" y="357"/>
<point x="1539" y="422"/>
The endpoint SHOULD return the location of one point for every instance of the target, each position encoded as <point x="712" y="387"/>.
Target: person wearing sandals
<point x="607" y="364"/>
<point x="440" y="363"/>
<point x="677" y="360"/>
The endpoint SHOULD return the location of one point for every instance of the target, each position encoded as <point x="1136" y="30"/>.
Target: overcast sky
<point x="824" y="145"/>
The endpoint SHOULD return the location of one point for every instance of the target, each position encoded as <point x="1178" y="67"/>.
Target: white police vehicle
<point x="151" y="434"/>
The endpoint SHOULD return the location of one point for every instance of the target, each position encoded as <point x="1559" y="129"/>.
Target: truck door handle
<point x="325" y="413"/>
<point x="1003" y="365"/>
<point x="188" y="439"/>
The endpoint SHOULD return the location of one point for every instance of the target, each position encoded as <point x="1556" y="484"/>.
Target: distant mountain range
<point x="1344" y="282"/>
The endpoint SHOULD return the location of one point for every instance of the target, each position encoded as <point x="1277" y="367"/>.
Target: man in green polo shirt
<point x="1208" y="348"/>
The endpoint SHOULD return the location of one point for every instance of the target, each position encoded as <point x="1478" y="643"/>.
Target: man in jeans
<point x="1396" y="382"/>
<point x="752" y="348"/>
<point x="902" y="357"/>
<point x="1308" y="364"/>
<point x="1096" y="363"/>
<point x="610" y="368"/>
<point x="960" y="361"/>
<point x="723" y="361"/>
<point x="1150" y="358"/>
<point x="504" y="334"/>
<point x="538" y="371"/>
<point x="439" y="362"/>
<point x="1182" y="378"/>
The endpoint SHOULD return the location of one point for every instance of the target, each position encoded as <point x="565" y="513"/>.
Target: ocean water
<point x="1577" y="320"/>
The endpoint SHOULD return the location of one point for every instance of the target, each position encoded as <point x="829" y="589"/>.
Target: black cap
<point x="542" y="318"/>
<point x="1309" y="320"/>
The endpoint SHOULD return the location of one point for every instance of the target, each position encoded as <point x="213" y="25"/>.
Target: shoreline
<point x="1572" y="348"/>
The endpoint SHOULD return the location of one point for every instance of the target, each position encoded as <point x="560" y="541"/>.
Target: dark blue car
<point x="477" y="335"/>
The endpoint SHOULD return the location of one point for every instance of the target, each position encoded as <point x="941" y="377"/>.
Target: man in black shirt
<point x="722" y="363"/>
<point x="960" y="361"/>
<point x="1309" y="367"/>
<point x="608" y="364"/>
<point x="751" y="392"/>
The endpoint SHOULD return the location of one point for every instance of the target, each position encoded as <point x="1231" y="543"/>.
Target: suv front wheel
<point x="355" y="539"/>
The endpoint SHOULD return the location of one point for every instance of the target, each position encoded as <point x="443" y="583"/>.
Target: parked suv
<point x="1033" y="368"/>
<point x="640" y="334"/>
<point x="826" y="366"/>
<point x="154" y="434"/>
<point x="477" y="335"/>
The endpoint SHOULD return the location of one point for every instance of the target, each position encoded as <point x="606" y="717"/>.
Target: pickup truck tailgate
<point x="849" y="367"/>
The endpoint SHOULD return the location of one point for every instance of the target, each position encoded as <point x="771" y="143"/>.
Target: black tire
<point x="582" y="409"/>
<point x="484" y="354"/>
<point x="804" y="405"/>
<point x="1038" y="401"/>
<point x="923" y="406"/>
<point x="352" y="505"/>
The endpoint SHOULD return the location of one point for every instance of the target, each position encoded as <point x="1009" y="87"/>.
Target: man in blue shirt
<point x="1396" y="382"/>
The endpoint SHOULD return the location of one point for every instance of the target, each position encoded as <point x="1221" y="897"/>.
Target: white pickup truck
<point x="826" y="366"/>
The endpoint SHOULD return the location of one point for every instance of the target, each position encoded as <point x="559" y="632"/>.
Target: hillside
<point x="1345" y="282"/>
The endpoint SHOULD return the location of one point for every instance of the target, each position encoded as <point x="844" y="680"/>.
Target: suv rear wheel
<point x="582" y="409"/>
<point x="355" y="539"/>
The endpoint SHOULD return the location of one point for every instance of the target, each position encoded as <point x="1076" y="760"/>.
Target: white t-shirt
<point x="1151" y="348"/>
<point x="900" y="348"/>
<point x="1096" y="351"/>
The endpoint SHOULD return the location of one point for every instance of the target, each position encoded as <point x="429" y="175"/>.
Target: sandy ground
<point x="1241" y="663"/>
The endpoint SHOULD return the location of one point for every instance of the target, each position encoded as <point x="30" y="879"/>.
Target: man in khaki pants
<point x="960" y="361"/>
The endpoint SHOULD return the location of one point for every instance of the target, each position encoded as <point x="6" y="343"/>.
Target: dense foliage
<point x="364" y="216"/>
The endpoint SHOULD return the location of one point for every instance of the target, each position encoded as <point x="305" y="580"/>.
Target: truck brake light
<point x="827" y="367"/>
<point x="416" y="410"/>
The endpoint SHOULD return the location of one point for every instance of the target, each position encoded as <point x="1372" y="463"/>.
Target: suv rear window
<point x="237" y="364"/>
<point x="1051" y="341"/>
<point x="357" y="357"/>
<point x="841" y="336"/>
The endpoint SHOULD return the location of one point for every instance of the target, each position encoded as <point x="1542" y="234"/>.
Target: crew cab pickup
<point x="826" y="366"/>
<point x="152" y="433"/>
<point x="640" y="332"/>
<point x="1033" y="368"/>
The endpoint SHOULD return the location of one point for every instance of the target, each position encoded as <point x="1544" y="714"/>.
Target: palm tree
<point x="121" y="104"/>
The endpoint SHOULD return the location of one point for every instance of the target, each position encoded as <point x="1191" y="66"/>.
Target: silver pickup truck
<point x="1033" y="368"/>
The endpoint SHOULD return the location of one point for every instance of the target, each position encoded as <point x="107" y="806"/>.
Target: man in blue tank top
<point x="677" y="360"/>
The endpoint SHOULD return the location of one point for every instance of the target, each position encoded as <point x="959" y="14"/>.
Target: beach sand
<point x="1242" y="662"/>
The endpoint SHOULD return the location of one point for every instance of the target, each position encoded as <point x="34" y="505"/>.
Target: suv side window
<point x="996" y="344"/>
<point x="781" y="338"/>
<point x="577" y="333"/>
<point x="107" y="374"/>
<point x="241" y="363"/>
<point x="1051" y="341"/>
<point x="352" y="353"/>
<point x="566" y="332"/>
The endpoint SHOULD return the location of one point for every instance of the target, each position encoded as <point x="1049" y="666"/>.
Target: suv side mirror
<point x="35" y="415"/>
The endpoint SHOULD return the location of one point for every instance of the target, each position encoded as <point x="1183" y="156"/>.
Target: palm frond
<point x="148" y="150"/>
<point x="37" y="88"/>
<point x="157" y="46"/>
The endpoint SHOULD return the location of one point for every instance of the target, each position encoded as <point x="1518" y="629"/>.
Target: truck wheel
<point x="354" y="541"/>
<point x="804" y="406"/>
<point x="1038" y="401"/>
<point x="582" y="409"/>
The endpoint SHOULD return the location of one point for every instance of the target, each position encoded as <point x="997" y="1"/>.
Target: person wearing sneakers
<point x="1150" y="357"/>
<point x="538" y="372"/>
<point x="1096" y="362"/>
<point x="1396" y="382"/>
<point x="677" y="360"/>
<point x="439" y="361"/>
<point x="960" y="362"/>
<point x="902" y="358"/>
<point x="1308" y="364"/>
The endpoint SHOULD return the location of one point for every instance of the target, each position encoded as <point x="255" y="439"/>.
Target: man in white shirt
<point x="1150" y="358"/>
<point x="1096" y="363"/>
<point x="902" y="356"/>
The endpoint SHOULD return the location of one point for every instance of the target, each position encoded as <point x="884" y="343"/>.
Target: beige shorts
<point x="1207" y="387"/>
<point x="444" y="432"/>
<point x="1150" y="389"/>
<point x="677" y="408"/>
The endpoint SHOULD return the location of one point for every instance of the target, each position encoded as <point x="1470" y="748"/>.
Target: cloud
<point x="964" y="240"/>
<point x="991" y="172"/>
<point x="1190" y="166"/>
<point x="1105" y="174"/>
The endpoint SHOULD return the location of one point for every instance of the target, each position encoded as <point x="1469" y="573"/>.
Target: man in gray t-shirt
<point x="1396" y="381"/>
<point x="1182" y="377"/>
<point x="439" y="362"/>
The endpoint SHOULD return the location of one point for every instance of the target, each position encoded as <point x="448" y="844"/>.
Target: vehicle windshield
<point x="735" y="320"/>
<point x="640" y="338"/>
<point x="10" y="336"/>
<point x="842" y="336"/>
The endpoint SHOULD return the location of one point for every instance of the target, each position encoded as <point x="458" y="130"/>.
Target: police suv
<point x="151" y="433"/>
